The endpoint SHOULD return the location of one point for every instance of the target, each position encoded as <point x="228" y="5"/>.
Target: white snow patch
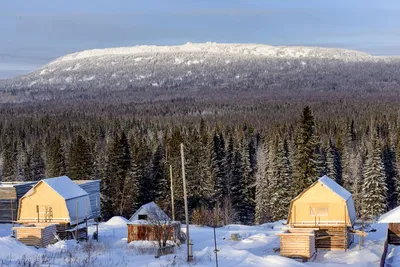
<point x="154" y="84"/>
<point x="237" y="76"/>
<point x="227" y="62"/>
<point x="116" y="221"/>
<point x="88" y="78"/>
<point x="68" y="79"/>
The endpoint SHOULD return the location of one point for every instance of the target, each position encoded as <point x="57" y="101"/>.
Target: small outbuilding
<point x="151" y="223"/>
<point x="393" y="219"/>
<point x="149" y="212"/>
<point x="326" y="208"/>
<point x="57" y="201"/>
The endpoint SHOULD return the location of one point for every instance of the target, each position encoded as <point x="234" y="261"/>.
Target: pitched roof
<point x="335" y="187"/>
<point x="152" y="210"/>
<point x="65" y="187"/>
<point x="392" y="216"/>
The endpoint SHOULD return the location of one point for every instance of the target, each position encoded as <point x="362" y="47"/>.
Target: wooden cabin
<point x="57" y="201"/>
<point x="149" y="221"/>
<point x="393" y="219"/>
<point x="10" y="194"/>
<point x="328" y="208"/>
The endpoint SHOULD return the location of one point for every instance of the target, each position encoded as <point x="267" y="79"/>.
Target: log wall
<point x="333" y="238"/>
<point x="297" y="244"/>
<point x="39" y="235"/>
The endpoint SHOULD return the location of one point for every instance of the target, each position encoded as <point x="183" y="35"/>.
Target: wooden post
<point x="172" y="193"/>
<point x="97" y="221"/>
<point x="77" y="222"/>
<point x="37" y="210"/>
<point x="86" y="216"/>
<point x="12" y="218"/>
<point x="345" y="229"/>
<point x="215" y="247"/>
<point x="189" y="256"/>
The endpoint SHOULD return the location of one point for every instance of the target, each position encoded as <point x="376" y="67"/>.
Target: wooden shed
<point x="393" y="219"/>
<point x="298" y="243"/>
<point x="330" y="208"/>
<point x="10" y="194"/>
<point x="39" y="234"/>
<point x="57" y="201"/>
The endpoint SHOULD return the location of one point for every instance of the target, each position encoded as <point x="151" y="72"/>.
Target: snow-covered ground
<point x="255" y="248"/>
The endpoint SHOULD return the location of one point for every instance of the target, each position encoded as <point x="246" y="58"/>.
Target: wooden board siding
<point x="297" y="244"/>
<point x="12" y="192"/>
<point x="333" y="238"/>
<point x="93" y="189"/>
<point x="146" y="232"/>
<point x="39" y="235"/>
<point x="394" y="233"/>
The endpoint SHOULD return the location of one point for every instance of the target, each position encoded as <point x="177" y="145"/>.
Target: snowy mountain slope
<point x="200" y="69"/>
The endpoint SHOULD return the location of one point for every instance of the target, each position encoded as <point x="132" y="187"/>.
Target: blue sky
<point x="35" y="32"/>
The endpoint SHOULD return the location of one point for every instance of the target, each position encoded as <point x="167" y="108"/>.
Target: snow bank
<point x="10" y="247"/>
<point x="116" y="221"/>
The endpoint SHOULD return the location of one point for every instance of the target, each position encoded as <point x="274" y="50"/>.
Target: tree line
<point x="243" y="172"/>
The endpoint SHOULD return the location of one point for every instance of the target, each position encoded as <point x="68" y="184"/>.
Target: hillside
<point x="206" y="70"/>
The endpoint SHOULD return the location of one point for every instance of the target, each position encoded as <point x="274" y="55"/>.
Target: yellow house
<point x="327" y="210"/>
<point x="324" y="203"/>
<point x="55" y="200"/>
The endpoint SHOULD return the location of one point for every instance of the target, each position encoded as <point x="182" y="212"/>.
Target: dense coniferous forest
<point x="245" y="160"/>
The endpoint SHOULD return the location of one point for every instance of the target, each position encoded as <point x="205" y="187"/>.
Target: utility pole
<point x="215" y="244"/>
<point x="172" y="193"/>
<point x="77" y="223"/>
<point x="188" y="243"/>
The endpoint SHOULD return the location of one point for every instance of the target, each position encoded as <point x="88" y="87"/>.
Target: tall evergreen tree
<point x="280" y="177"/>
<point x="55" y="160"/>
<point x="374" y="188"/>
<point x="334" y="164"/>
<point x="262" y="211"/>
<point x="305" y="169"/>
<point x="391" y="175"/>
<point x="239" y="190"/>
<point x="80" y="160"/>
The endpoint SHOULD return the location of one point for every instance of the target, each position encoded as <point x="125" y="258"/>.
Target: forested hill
<point x="204" y="71"/>
<point x="245" y="160"/>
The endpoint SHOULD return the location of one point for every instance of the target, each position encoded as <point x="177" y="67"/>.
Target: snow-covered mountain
<point x="201" y="69"/>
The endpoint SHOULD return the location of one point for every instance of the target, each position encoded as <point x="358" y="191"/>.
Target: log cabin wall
<point x="394" y="234"/>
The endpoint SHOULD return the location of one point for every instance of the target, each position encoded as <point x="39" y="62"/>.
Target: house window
<point x="318" y="211"/>
<point x="142" y="216"/>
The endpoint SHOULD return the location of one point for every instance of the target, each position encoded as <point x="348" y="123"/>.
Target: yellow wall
<point x="43" y="195"/>
<point x="318" y="196"/>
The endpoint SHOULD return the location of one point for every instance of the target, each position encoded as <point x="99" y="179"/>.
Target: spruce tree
<point x="262" y="211"/>
<point x="280" y="177"/>
<point x="391" y="175"/>
<point x="238" y="190"/>
<point x="55" y="159"/>
<point x="305" y="167"/>
<point x="374" y="188"/>
<point x="333" y="163"/>
<point x="10" y="167"/>
<point x="80" y="160"/>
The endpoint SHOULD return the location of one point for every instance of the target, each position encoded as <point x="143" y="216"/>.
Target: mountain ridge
<point x="198" y="70"/>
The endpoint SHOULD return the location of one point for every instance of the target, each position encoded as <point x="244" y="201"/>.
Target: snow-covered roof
<point x="335" y="187"/>
<point x="152" y="211"/>
<point x="65" y="187"/>
<point x="392" y="216"/>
